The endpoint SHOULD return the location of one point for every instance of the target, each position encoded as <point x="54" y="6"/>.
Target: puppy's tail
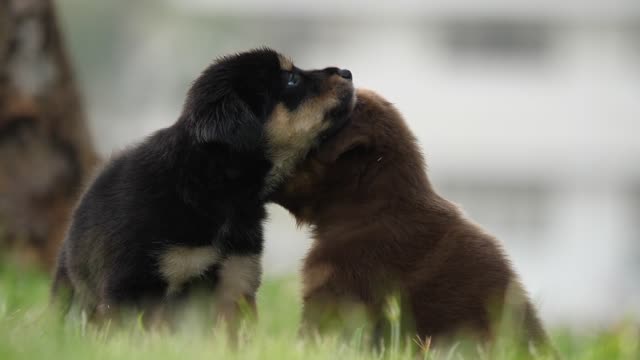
<point x="61" y="288"/>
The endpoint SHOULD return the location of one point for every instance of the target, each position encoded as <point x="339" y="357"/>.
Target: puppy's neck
<point x="284" y="162"/>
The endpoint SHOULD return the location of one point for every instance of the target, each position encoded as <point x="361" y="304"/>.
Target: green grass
<point x="29" y="331"/>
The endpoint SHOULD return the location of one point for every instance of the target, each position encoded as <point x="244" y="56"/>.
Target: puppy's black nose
<point x="345" y="74"/>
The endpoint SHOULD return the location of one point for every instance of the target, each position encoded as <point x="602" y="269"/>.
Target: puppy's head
<point x="344" y="168"/>
<point x="259" y="101"/>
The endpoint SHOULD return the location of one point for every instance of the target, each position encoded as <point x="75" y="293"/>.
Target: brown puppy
<point x="380" y="229"/>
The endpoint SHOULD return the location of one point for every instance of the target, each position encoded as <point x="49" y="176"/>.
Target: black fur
<point x="180" y="186"/>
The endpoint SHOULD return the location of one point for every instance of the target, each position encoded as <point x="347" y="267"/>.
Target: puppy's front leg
<point x="239" y="280"/>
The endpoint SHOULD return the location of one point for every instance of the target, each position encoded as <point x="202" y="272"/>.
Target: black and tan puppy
<point x="380" y="229"/>
<point x="185" y="207"/>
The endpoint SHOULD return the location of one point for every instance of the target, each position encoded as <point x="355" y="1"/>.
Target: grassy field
<point x="28" y="331"/>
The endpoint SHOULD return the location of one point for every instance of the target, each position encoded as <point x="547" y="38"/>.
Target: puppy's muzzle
<point x="343" y="73"/>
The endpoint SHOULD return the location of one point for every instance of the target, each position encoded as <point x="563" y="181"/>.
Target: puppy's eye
<point x="293" y="80"/>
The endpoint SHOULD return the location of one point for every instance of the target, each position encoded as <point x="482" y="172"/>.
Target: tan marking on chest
<point x="178" y="264"/>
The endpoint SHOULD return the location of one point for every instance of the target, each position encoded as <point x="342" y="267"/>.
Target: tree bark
<point x="45" y="148"/>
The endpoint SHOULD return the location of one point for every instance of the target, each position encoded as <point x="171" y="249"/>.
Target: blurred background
<point x="528" y="113"/>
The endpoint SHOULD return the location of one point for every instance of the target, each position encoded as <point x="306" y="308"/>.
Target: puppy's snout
<point x="345" y="74"/>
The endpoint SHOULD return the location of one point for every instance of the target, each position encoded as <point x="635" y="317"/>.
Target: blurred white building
<point x="528" y="112"/>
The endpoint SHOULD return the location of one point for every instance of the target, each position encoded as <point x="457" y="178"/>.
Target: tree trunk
<point x="45" y="147"/>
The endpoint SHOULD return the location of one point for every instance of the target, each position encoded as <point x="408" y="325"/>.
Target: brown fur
<point x="380" y="229"/>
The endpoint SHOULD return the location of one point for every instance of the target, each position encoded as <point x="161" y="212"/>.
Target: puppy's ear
<point x="338" y="146"/>
<point x="228" y="120"/>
